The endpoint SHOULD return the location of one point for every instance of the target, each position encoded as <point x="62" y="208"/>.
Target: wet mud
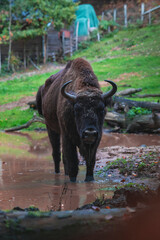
<point x="27" y="173"/>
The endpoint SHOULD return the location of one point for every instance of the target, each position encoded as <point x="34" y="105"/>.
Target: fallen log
<point x="128" y="91"/>
<point x="146" y="95"/>
<point x="141" y="123"/>
<point x="144" y="123"/>
<point x="131" y="103"/>
<point x="114" y="119"/>
<point x="26" y="125"/>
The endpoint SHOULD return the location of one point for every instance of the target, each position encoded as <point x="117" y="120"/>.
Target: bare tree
<point x="10" y="37"/>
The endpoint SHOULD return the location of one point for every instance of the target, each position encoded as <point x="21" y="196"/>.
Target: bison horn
<point x="112" y="91"/>
<point x="65" y="94"/>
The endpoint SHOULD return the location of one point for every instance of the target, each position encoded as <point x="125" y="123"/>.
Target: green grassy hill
<point x="131" y="56"/>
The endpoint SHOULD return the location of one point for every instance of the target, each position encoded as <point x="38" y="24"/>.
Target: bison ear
<point x="111" y="92"/>
<point x="69" y="96"/>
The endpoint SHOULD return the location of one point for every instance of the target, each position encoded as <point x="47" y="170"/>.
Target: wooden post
<point x="98" y="37"/>
<point x="150" y="14"/>
<point x="142" y="12"/>
<point x="44" y="49"/>
<point x="114" y="14"/>
<point x="24" y="55"/>
<point x="63" y="43"/>
<point x="37" y="55"/>
<point x="102" y="16"/>
<point x="88" y="26"/>
<point x="10" y="40"/>
<point x="77" y="35"/>
<point x="71" y="48"/>
<point x="125" y="15"/>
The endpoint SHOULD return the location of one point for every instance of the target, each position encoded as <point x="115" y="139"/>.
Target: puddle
<point x="129" y="140"/>
<point x="27" y="173"/>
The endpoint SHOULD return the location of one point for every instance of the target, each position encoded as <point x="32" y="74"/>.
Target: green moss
<point x="142" y="187"/>
<point x="12" y="224"/>
<point x="38" y="214"/>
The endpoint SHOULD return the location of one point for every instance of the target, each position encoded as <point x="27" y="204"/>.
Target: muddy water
<point x="129" y="140"/>
<point x="27" y="175"/>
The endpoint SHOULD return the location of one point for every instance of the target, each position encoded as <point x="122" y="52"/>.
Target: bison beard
<point x="74" y="109"/>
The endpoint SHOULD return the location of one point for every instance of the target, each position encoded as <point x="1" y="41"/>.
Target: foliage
<point x="142" y="165"/>
<point x="15" y="62"/>
<point x="104" y="25"/>
<point x="137" y="111"/>
<point x="83" y="45"/>
<point x="12" y="224"/>
<point x="93" y="35"/>
<point x="31" y="17"/>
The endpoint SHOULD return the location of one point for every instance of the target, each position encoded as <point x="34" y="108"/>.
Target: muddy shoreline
<point x="114" y="206"/>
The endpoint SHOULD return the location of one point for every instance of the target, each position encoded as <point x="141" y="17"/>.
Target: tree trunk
<point x="114" y="119"/>
<point x="24" y="55"/>
<point x="132" y="103"/>
<point x="144" y="123"/>
<point x="141" y="123"/>
<point x="26" y="125"/>
<point x="128" y="91"/>
<point x="10" y="40"/>
<point x="44" y="49"/>
<point x="147" y="95"/>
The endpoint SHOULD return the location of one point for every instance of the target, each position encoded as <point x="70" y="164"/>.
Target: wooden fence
<point x="39" y="49"/>
<point x="125" y="16"/>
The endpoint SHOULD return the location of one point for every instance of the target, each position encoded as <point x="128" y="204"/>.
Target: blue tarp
<point x="85" y="12"/>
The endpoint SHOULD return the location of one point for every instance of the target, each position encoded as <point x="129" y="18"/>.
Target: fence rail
<point x="125" y="12"/>
<point x="149" y="13"/>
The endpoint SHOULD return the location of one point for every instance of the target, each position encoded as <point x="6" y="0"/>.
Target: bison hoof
<point x="73" y="179"/>
<point x="89" y="178"/>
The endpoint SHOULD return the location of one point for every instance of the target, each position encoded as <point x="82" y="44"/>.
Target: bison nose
<point x="89" y="135"/>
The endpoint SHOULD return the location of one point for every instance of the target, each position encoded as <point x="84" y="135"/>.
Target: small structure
<point x="41" y="48"/>
<point x="86" y="21"/>
<point x="59" y="43"/>
<point x="54" y="44"/>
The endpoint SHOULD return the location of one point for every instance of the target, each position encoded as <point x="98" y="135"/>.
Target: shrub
<point x="137" y="111"/>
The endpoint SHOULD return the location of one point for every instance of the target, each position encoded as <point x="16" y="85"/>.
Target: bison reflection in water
<point x="74" y="107"/>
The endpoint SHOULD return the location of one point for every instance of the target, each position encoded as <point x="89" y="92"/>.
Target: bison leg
<point x="65" y="165"/>
<point x="70" y="158"/>
<point x="55" y="142"/>
<point x="90" y="168"/>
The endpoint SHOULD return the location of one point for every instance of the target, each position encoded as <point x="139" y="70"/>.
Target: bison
<point x="74" y="109"/>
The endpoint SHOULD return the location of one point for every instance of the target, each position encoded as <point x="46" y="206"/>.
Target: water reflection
<point x="27" y="177"/>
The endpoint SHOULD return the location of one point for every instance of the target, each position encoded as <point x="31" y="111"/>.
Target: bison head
<point x="89" y="111"/>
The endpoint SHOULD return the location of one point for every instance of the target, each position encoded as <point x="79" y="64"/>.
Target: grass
<point x="130" y="56"/>
<point x="15" y="89"/>
<point x="128" y="42"/>
<point x="16" y="117"/>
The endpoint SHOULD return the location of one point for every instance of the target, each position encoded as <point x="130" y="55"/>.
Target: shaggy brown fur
<point x="73" y="120"/>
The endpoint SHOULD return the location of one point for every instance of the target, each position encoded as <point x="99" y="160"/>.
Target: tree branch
<point x="26" y="125"/>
